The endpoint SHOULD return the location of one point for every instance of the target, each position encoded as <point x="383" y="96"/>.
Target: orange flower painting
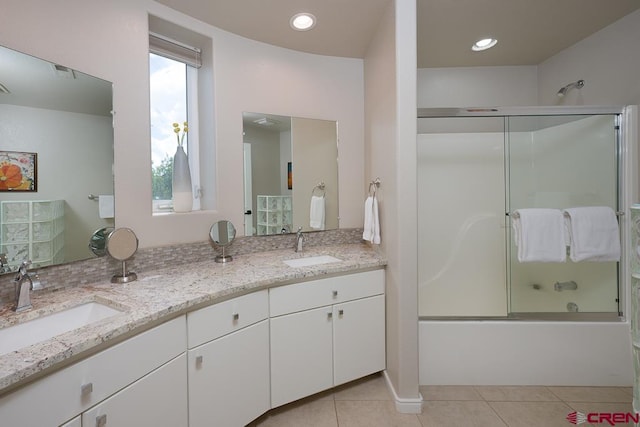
<point x="18" y="171"/>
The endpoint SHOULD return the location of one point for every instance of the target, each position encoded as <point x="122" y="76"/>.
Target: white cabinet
<point x="74" y="389"/>
<point x="229" y="362"/>
<point x="301" y="354"/>
<point x="358" y="338"/>
<point x="76" y="422"/>
<point x="325" y="332"/>
<point x="158" y="399"/>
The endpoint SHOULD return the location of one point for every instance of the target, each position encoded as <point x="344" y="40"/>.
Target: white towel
<point x="371" y="231"/>
<point x="539" y="235"/>
<point x="106" y="206"/>
<point x="316" y="213"/>
<point x="594" y="234"/>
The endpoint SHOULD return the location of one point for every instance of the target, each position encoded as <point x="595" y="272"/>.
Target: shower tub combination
<point x="486" y="318"/>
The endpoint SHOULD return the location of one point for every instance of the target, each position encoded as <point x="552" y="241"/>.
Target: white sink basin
<point x="312" y="260"/>
<point x="42" y="328"/>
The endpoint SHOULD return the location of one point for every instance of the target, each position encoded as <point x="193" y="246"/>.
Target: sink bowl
<point x="42" y="328"/>
<point x="312" y="260"/>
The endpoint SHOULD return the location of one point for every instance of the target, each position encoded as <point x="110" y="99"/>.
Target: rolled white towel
<point x="539" y="235"/>
<point x="316" y="213"/>
<point x="594" y="234"/>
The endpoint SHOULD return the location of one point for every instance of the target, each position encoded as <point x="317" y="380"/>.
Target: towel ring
<point x="375" y="184"/>
<point x="319" y="187"/>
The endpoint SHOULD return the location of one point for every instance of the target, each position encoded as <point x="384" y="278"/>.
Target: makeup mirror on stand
<point x="223" y="233"/>
<point x="122" y="244"/>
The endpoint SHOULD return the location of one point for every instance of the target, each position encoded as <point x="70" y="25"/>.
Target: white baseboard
<point x="403" y="405"/>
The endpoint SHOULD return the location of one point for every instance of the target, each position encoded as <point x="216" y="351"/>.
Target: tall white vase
<point x="181" y="182"/>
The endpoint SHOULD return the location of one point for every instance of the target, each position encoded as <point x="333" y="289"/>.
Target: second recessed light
<point x="303" y="21"/>
<point x="484" y="44"/>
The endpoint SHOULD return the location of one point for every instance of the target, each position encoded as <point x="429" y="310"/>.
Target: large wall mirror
<point x="56" y="150"/>
<point x="290" y="174"/>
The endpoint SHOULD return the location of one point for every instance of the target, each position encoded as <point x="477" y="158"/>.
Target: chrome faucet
<point x="299" y="240"/>
<point x="24" y="283"/>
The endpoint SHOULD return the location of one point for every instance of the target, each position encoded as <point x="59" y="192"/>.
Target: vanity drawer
<point x="322" y="292"/>
<point x="220" y="319"/>
<point x="71" y="390"/>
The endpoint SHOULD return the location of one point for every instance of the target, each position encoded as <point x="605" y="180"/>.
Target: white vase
<point x="181" y="182"/>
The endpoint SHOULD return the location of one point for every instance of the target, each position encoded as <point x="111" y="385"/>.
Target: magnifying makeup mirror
<point x="223" y="233"/>
<point x="122" y="244"/>
<point x="98" y="241"/>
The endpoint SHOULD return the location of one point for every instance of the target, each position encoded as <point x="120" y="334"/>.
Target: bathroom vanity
<point x="219" y="343"/>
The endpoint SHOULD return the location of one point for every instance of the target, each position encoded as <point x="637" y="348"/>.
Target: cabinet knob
<point x="86" y="388"/>
<point x="335" y="294"/>
<point x="199" y="360"/>
<point x="340" y="312"/>
<point x="101" y="420"/>
<point x="236" y="316"/>
<point x="329" y="315"/>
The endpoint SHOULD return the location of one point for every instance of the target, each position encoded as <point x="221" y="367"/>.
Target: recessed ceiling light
<point x="484" y="44"/>
<point x="302" y="21"/>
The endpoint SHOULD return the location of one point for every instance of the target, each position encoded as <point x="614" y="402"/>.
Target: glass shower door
<point x="461" y="221"/>
<point x="561" y="162"/>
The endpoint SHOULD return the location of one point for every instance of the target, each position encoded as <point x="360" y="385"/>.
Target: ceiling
<point x="33" y="82"/>
<point x="529" y="31"/>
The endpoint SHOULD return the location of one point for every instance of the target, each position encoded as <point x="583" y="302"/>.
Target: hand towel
<point x="539" y="235"/>
<point x="371" y="231"/>
<point x="316" y="213"/>
<point x="594" y="234"/>
<point x="106" y="206"/>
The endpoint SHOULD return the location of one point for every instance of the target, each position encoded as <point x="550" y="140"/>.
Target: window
<point x="173" y="78"/>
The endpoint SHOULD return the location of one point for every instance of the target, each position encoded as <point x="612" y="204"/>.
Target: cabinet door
<point x="229" y="378"/>
<point x="158" y="399"/>
<point x="358" y="338"/>
<point x="301" y="355"/>
<point x="76" y="422"/>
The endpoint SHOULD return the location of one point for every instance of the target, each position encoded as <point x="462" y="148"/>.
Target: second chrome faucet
<point x="299" y="240"/>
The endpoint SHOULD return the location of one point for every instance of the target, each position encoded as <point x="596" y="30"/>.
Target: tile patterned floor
<point x="368" y="403"/>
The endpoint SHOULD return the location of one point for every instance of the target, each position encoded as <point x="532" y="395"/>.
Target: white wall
<point x="314" y="150"/>
<point x="608" y="61"/>
<point x="64" y="142"/>
<point x="109" y="40"/>
<point x="390" y="77"/>
<point x="477" y="86"/>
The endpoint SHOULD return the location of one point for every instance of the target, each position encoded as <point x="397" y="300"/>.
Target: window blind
<point x="173" y="49"/>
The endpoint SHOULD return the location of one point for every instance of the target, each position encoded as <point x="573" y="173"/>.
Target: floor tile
<point x="516" y="394"/>
<point x="459" y="413"/>
<point x="591" y="394"/>
<point x="528" y="414"/>
<point x="373" y="387"/>
<point x="589" y="407"/>
<point x="371" y="413"/>
<point x="449" y="392"/>
<point x="304" y="413"/>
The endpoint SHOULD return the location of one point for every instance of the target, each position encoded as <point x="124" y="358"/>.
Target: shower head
<point x="563" y="90"/>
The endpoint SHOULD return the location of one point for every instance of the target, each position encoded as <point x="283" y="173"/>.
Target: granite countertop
<point x="158" y="296"/>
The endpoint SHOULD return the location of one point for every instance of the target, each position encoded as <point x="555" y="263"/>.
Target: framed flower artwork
<point x="18" y="171"/>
